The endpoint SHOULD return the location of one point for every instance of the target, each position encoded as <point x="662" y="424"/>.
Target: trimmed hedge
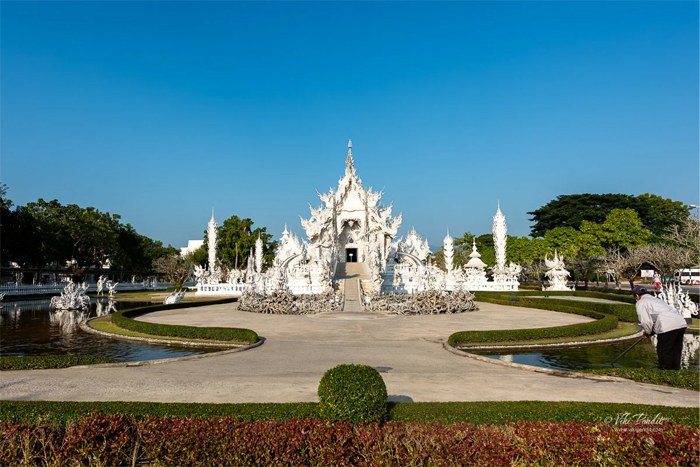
<point x="622" y="311"/>
<point x="42" y="362"/>
<point x="353" y="393"/>
<point x="121" y="440"/>
<point x="625" y="298"/>
<point x="486" y="412"/>
<point x="684" y="379"/>
<point x="603" y="323"/>
<point x="239" y="335"/>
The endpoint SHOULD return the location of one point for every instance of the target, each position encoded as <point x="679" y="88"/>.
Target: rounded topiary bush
<point x="354" y="393"/>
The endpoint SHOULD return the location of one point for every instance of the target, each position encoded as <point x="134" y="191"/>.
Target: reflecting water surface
<point x="643" y="355"/>
<point x="31" y="327"/>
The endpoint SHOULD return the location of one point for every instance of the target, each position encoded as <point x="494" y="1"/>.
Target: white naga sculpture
<point x="175" y="297"/>
<point x="73" y="297"/>
<point x="556" y="273"/>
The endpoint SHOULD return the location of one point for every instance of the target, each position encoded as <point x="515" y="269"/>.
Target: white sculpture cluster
<point x="675" y="297"/>
<point x="353" y="226"/>
<point x="556" y="273"/>
<point x="73" y="297"/>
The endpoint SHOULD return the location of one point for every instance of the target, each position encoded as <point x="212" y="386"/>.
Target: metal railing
<point x="54" y="289"/>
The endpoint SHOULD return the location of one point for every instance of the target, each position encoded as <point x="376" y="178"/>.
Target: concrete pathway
<point x="298" y="350"/>
<point x="351" y="274"/>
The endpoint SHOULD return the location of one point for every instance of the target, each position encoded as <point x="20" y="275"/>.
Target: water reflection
<point x="31" y="327"/>
<point x="643" y="355"/>
<point x="67" y="320"/>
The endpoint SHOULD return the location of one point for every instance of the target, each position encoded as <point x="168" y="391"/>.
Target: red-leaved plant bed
<point x="123" y="440"/>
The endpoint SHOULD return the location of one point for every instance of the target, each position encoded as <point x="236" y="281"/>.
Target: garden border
<point x="570" y="344"/>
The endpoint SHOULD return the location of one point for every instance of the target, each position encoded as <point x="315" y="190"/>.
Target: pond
<point x="31" y="327"/>
<point x="643" y="355"/>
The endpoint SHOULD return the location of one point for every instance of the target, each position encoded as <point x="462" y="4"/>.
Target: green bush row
<point x="684" y="379"/>
<point x="238" y="335"/>
<point x="603" y="323"/>
<point x="486" y="412"/>
<point x="42" y="362"/>
<point x="624" y="311"/>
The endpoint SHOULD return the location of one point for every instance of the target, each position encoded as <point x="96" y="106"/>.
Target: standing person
<point x="657" y="281"/>
<point x="657" y="317"/>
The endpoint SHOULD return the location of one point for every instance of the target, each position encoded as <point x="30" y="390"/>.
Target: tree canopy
<point x="656" y="214"/>
<point x="236" y="242"/>
<point x="47" y="233"/>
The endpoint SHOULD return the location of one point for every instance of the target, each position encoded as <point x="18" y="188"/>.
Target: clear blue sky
<point x="159" y="111"/>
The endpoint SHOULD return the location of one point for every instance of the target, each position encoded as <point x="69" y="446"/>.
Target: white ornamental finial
<point x="348" y="161"/>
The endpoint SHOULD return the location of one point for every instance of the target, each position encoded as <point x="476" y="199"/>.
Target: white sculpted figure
<point x="556" y="273"/>
<point x="111" y="287"/>
<point x="100" y="285"/>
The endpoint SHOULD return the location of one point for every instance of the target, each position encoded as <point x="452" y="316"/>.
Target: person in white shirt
<point x="657" y="317"/>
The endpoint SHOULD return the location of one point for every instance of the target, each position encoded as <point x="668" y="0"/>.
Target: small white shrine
<point x="352" y="226"/>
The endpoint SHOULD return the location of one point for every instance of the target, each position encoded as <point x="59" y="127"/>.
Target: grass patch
<point x="123" y="319"/>
<point x="684" y="379"/>
<point x="623" y="329"/>
<point x="488" y="412"/>
<point x="44" y="362"/>
<point x="105" y="324"/>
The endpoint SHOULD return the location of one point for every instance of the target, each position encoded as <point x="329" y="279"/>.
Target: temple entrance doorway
<point x="351" y="255"/>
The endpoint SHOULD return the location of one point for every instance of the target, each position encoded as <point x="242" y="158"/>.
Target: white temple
<point x="352" y="226"/>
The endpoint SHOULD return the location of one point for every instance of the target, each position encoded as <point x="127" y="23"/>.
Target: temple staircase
<point x="351" y="275"/>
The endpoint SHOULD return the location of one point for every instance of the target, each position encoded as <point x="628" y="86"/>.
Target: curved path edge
<point x="613" y="340"/>
<point x="548" y="371"/>
<point x="231" y="348"/>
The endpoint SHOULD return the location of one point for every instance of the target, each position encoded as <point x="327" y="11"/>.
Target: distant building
<point x="192" y="245"/>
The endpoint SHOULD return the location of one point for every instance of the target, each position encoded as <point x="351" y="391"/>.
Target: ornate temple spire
<point x="448" y="249"/>
<point x="500" y="237"/>
<point x="349" y="165"/>
<point x="475" y="261"/>
<point x="212" y="232"/>
<point x="258" y="254"/>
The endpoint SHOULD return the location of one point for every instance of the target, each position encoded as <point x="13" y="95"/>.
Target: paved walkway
<point x="299" y="349"/>
<point x="351" y="274"/>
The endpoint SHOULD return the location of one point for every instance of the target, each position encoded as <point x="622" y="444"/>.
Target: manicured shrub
<point x="42" y="362"/>
<point x="121" y="440"/>
<point x="124" y="320"/>
<point x="684" y="379"/>
<point x="355" y="393"/>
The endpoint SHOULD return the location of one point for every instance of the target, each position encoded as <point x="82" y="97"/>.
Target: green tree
<point x="621" y="228"/>
<point x="563" y="239"/>
<point x="236" y="242"/>
<point x="40" y="237"/>
<point x="657" y="214"/>
<point x="175" y="267"/>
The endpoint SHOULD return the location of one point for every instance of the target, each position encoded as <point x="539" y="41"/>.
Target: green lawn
<point x="105" y="324"/>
